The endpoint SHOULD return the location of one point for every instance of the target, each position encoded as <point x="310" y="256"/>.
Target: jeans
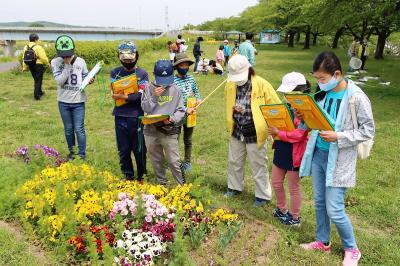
<point x="329" y="204"/>
<point x="196" y="63"/>
<point x="37" y="74"/>
<point x="126" y="131"/>
<point x="73" y="117"/>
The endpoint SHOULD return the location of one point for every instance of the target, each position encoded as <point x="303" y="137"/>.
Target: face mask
<point x="330" y="85"/>
<point x="182" y="71"/>
<point x="240" y="83"/>
<point x="128" y="66"/>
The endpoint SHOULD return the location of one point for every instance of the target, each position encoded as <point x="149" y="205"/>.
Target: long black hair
<point x="327" y="62"/>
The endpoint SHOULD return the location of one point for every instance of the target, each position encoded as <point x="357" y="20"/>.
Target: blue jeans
<point x="73" y="117"/>
<point x="196" y="62"/>
<point x="126" y="131"/>
<point x="329" y="204"/>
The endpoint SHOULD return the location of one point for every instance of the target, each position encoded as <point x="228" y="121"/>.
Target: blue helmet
<point x="127" y="47"/>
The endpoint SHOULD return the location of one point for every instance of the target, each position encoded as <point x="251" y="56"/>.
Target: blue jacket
<point x="227" y="50"/>
<point x="247" y="49"/>
<point x="342" y="158"/>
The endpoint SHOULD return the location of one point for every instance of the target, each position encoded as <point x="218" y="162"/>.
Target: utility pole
<point x="166" y="19"/>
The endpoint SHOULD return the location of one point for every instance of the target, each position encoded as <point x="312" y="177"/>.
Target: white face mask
<point x="240" y="83"/>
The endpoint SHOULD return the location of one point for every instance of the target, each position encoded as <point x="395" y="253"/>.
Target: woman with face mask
<point x="127" y="115"/>
<point x="245" y="92"/>
<point x="188" y="87"/>
<point x="330" y="157"/>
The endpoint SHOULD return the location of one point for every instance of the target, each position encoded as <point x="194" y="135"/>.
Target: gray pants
<point x="161" y="147"/>
<point x="258" y="164"/>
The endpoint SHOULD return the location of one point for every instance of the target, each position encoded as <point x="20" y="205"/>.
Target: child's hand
<point x="298" y="114"/>
<point x="167" y="121"/>
<point x="158" y="91"/>
<point x="191" y="110"/>
<point x="91" y="81"/>
<point x="273" y="131"/>
<point x="119" y="96"/>
<point x="328" y="136"/>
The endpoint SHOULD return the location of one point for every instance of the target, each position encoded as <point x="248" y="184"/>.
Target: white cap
<point x="290" y="81"/>
<point x="238" y="67"/>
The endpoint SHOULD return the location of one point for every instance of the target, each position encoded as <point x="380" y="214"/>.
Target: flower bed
<point x="104" y="218"/>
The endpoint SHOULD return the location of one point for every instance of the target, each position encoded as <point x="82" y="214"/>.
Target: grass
<point x="373" y="204"/>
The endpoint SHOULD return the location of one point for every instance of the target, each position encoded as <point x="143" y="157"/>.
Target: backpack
<point x="30" y="56"/>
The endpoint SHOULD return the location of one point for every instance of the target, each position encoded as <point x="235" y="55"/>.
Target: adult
<point x="363" y="53"/>
<point x="227" y="52"/>
<point x="235" y="48"/>
<point x="331" y="156"/>
<point x="127" y="115"/>
<point x="35" y="58"/>
<point x="69" y="71"/>
<point x="197" y="52"/>
<point x="247" y="49"/>
<point x="245" y="92"/>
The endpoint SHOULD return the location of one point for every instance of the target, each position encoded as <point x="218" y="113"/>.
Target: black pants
<point x="226" y="60"/>
<point x="126" y="130"/>
<point x="37" y="74"/>
<point x="187" y="141"/>
<point x="363" y="59"/>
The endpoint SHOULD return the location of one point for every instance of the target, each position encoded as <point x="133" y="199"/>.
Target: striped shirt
<point x="188" y="87"/>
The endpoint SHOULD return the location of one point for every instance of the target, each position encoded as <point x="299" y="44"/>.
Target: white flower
<point x="156" y="251"/>
<point x="119" y="244"/>
<point x="147" y="256"/>
<point x="137" y="239"/>
<point x="143" y="245"/>
<point x="133" y="250"/>
<point x="117" y="260"/>
<point x="129" y="243"/>
<point x="126" y="234"/>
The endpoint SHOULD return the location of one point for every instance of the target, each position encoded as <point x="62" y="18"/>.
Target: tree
<point x="36" y="25"/>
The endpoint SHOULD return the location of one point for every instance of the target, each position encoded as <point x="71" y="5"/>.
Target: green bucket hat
<point x="182" y="57"/>
<point x="65" y="46"/>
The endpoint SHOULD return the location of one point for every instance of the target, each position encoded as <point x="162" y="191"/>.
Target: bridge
<point x="9" y="35"/>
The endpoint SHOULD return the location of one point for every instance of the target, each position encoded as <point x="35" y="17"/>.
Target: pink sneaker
<point x="316" y="245"/>
<point x="351" y="257"/>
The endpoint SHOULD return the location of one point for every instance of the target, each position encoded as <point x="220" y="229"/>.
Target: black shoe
<point x="129" y="177"/>
<point x="71" y="156"/>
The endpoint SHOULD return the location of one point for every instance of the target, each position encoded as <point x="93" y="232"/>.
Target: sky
<point x="144" y="14"/>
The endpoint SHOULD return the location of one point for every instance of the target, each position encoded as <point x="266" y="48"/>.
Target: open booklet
<point x="314" y="116"/>
<point x="151" y="119"/>
<point x="95" y="70"/>
<point x="278" y="115"/>
<point x="126" y="85"/>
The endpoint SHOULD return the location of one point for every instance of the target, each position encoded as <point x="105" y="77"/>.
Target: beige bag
<point x="364" y="148"/>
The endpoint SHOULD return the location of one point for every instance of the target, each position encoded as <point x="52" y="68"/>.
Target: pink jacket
<point x="220" y="55"/>
<point x="298" y="138"/>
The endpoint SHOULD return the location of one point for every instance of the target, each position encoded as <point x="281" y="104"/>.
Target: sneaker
<point x="260" y="202"/>
<point x="231" y="193"/>
<point x="316" y="245"/>
<point x="279" y="214"/>
<point x="351" y="257"/>
<point x="70" y="156"/>
<point x="292" y="222"/>
<point x="187" y="167"/>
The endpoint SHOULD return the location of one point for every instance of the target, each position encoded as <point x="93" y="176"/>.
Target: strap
<point x="73" y="60"/>
<point x="353" y="111"/>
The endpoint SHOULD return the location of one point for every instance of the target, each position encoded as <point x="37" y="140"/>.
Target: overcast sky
<point x="145" y="14"/>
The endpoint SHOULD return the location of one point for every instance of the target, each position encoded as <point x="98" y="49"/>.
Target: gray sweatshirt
<point x="170" y="102"/>
<point x="69" y="78"/>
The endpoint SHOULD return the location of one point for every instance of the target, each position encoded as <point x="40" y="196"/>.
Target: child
<point x="127" y="115"/>
<point x="163" y="97"/>
<point x="203" y="66"/>
<point x="216" y="68"/>
<point x="331" y="156"/>
<point x="219" y="57"/>
<point x="227" y="51"/>
<point x="69" y="71"/>
<point x="188" y="87"/>
<point x="289" y="150"/>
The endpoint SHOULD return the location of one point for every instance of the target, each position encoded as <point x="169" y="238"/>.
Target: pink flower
<point x="148" y="219"/>
<point x="159" y="212"/>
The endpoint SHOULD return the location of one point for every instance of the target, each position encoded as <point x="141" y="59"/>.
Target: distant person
<point x="355" y="45"/>
<point x="179" y="42"/>
<point x="69" y="71"/>
<point x="35" y="58"/>
<point x="172" y="49"/>
<point x="235" y="48"/>
<point x="127" y="115"/>
<point x="204" y="66"/>
<point x="163" y="97"/>
<point x="227" y="52"/>
<point x="363" y="53"/>
<point x="197" y="52"/>
<point x="216" y="68"/>
<point x="219" y="57"/>
<point x="183" y="47"/>
<point x="245" y="92"/>
<point x="189" y="89"/>
<point x="247" y="49"/>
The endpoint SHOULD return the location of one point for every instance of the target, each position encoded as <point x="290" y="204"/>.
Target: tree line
<point x="313" y="18"/>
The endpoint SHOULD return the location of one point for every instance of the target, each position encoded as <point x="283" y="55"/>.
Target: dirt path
<point x="4" y="67"/>
<point x="32" y="249"/>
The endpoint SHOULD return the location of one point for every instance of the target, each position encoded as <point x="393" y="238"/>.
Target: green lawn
<point x="373" y="204"/>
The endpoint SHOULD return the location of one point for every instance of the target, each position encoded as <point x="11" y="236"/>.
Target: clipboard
<point x="95" y="70"/>
<point x="191" y="120"/>
<point x="314" y="116"/>
<point x="278" y="115"/>
<point x="126" y="85"/>
<point x="151" y="119"/>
